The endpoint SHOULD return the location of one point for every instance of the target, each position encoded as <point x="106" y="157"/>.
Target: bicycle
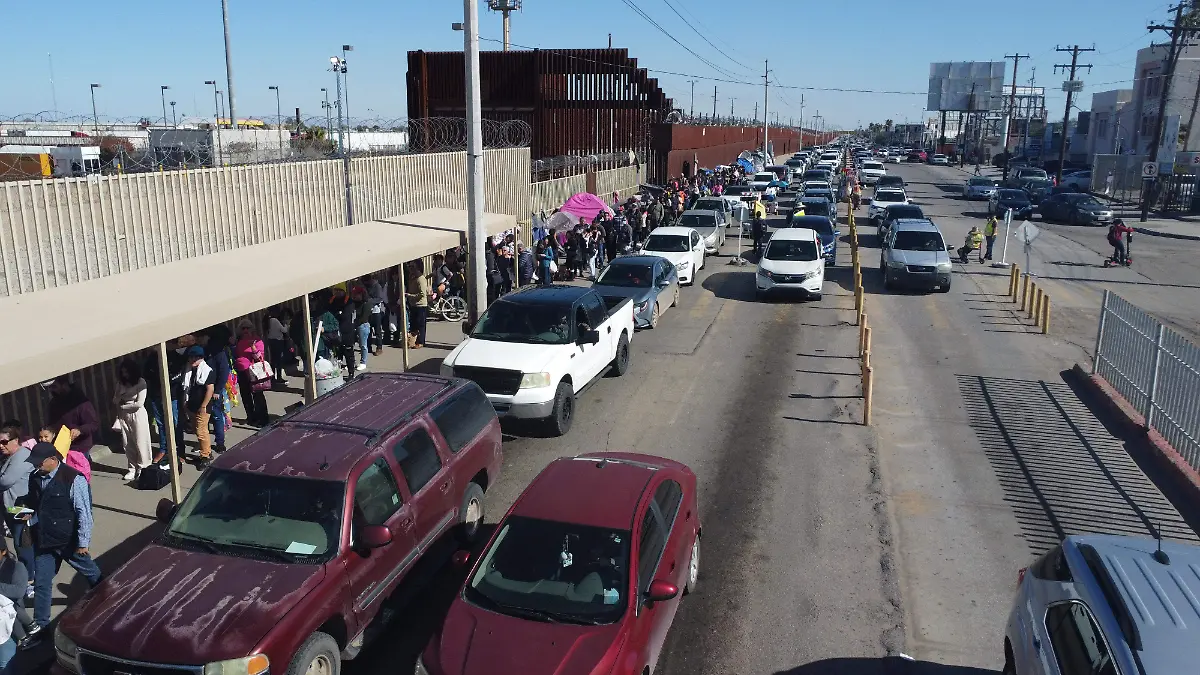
<point x="449" y="307"/>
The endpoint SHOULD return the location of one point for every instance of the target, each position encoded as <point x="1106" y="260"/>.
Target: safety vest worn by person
<point x="989" y="230"/>
<point x="974" y="239"/>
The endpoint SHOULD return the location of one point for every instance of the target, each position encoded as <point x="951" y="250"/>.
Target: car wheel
<point x="693" y="576"/>
<point x="563" y="414"/>
<point x="654" y="314"/>
<point x="471" y="515"/>
<point x="620" y="362"/>
<point x="319" y="655"/>
<point x="944" y="289"/>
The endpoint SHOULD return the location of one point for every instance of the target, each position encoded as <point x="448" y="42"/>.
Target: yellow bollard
<point x="1024" y="291"/>
<point x="1045" y="315"/>
<point x="862" y="334"/>
<point x="862" y="308"/>
<point x="1035" y="298"/>
<point x="868" y="394"/>
<point x="858" y="301"/>
<point x="1013" y="272"/>
<point x="866" y="353"/>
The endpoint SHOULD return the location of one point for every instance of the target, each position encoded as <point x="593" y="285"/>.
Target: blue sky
<point x="132" y="47"/>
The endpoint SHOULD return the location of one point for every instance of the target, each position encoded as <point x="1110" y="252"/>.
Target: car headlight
<point x="944" y="267"/>
<point x="66" y="651"/>
<point x="683" y="265"/>
<point x="896" y="264"/>
<point x="257" y="664"/>
<point x="766" y="274"/>
<point x="532" y="381"/>
<point x="641" y="306"/>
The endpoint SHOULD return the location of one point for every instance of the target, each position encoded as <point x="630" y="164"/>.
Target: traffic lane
<point x="987" y="457"/>
<point x="760" y="407"/>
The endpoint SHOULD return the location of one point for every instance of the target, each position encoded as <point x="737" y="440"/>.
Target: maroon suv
<point x="287" y="547"/>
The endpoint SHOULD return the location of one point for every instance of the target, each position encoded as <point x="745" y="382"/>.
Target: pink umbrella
<point x="586" y="205"/>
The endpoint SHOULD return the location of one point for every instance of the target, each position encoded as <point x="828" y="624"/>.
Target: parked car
<point x="889" y="181"/>
<point x="916" y="156"/>
<point x="817" y="174"/>
<point x="1018" y="175"/>
<point x="939" y="159"/>
<point x="584" y="574"/>
<point x="710" y="225"/>
<point x="817" y="206"/>
<point x="289" y="548"/>
<point x="824" y="227"/>
<point x="914" y="253"/>
<point x="718" y="204"/>
<point x="759" y="181"/>
<point x="978" y="187"/>
<point x="1075" y="209"/>
<point x="650" y="281"/>
<point x="1005" y="199"/>
<point x="881" y="199"/>
<point x="1080" y="181"/>
<point x="533" y="350"/>
<point x="871" y="172"/>
<point x="791" y="263"/>
<point x="894" y="212"/>
<point x="1037" y="189"/>
<point x="683" y="246"/>
<point x="1108" y="605"/>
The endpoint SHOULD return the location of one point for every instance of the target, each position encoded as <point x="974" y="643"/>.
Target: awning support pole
<point x="403" y="318"/>
<point x="169" y="420"/>
<point x="310" y="356"/>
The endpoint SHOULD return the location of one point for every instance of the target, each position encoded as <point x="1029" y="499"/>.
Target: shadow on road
<point x="892" y="665"/>
<point x="737" y="285"/>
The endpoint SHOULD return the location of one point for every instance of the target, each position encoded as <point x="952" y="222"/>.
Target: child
<point x="75" y="459"/>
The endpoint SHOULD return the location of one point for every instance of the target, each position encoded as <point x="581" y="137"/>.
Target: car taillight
<point x="1021" y="575"/>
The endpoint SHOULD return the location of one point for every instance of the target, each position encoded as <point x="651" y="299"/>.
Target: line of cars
<point x="1030" y="190"/>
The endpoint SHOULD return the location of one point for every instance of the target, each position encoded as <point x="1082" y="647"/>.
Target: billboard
<point x="950" y="86"/>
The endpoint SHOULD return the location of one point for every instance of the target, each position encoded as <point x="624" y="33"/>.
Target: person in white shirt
<point x="197" y="393"/>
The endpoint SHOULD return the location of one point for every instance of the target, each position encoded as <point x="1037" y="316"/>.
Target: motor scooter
<point x="1112" y="261"/>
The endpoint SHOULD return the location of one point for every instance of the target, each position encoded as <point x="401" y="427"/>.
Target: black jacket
<point x="56" y="520"/>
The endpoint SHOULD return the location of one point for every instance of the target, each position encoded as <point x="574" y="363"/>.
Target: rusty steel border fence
<point x="1154" y="368"/>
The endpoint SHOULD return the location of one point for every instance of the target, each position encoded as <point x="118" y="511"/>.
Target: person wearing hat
<point x="60" y="525"/>
<point x="14" y="484"/>
<point x="198" y="391"/>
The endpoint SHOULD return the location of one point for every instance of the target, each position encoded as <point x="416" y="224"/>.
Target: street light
<point x="346" y="84"/>
<point x="278" y="118"/>
<point x="339" y="69"/>
<point x="216" y="121"/>
<point x="328" y="113"/>
<point x="162" y="92"/>
<point x="174" y="120"/>
<point x="95" y="117"/>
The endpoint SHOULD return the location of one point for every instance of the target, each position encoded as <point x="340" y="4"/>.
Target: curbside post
<point x="868" y="394"/>
<point x="1024" y="292"/>
<point x="1045" y="315"/>
<point x="1035" y="301"/>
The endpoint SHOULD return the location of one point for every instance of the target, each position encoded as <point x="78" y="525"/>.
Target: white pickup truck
<point x="534" y="350"/>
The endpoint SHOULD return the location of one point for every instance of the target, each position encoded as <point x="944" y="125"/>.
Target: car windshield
<point x="1089" y="203"/>
<point x="1015" y="196"/>
<point x="791" y="250"/>
<point x="737" y="190"/>
<point x="253" y="515"/>
<point x="554" y="572"/>
<point x="913" y="240"/>
<point x="765" y="177"/>
<point x="815" y="208"/>
<point x="904" y="211"/>
<point x="888" y="196"/>
<point x="710" y="205"/>
<point x="631" y="275"/>
<point x="820" y="225"/>
<point x="872" y="165"/>
<point x="816" y="192"/>
<point x="1037" y="183"/>
<point x="533" y="323"/>
<point x="697" y="220"/>
<point x="891" y="180"/>
<point x="988" y="182"/>
<point x="1033" y="173"/>
<point x="667" y="243"/>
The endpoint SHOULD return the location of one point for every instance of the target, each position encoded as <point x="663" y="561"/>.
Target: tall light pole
<point x="328" y="113"/>
<point x="228" y="63"/>
<point x="339" y="68"/>
<point x="278" y="118"/>
<point x="162" y="92"/>
<point x="506" y="7"/>
<point x="477" y="273"/>
<point x="766" y="75"/>
<point x="216" y="121"/>
<point x="174" y="120"/>
<point x="95" y="117"/>
<point x="692" y="107"/>
<point x="346" y="88"/>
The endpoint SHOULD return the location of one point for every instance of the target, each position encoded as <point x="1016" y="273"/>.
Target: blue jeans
<point x="364" y="341"/>
<point x="7" y="651"/>
<point x="46" y="563"/>
<point x="155" y="408"/>
<point x="544" y="273"/>
<point x="216" y="408"/>
<point x="24" y="553"/>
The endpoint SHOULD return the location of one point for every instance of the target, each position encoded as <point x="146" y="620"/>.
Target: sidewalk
<point x="1167" y="227"/>
<point x="124" y="516"/>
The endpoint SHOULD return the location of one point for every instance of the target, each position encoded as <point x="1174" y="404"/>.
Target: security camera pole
<point x="476" y="237"/>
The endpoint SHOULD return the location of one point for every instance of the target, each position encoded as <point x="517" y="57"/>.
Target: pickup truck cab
<point x="287" y="554"/>
<point x="534" y="350"/>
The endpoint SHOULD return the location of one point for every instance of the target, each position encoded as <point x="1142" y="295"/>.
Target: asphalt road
<point x="830" y="547"/>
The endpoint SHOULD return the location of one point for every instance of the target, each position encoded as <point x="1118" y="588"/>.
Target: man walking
<point x="989" y="234"/>
<point x="61" y="525"/>
<point x="758" y="228"/>
<point x="14" y="484"/>
<point x="198" y="389"/>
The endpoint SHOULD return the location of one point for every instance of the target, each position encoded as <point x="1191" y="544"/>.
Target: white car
<point x="891" y="158"/>
<point x="940" y="160"/>
<point x="792" y="261"/>
<point x="710" y="225"/>
<point x="683" y="246"/>
<point x="883" y="199"/>
<point x="871" y="172"/>
<point x="761" y="180"/>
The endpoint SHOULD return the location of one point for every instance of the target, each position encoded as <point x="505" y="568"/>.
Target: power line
<point x="703" y="37"/>
<point x="638" y="10"/>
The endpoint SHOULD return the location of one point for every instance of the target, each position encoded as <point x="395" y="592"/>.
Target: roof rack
<point x="371" y="435"/>
<point x="1116" y="601"/>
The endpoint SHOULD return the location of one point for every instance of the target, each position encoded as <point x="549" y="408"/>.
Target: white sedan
<point x="884" y="198"/>
<point x="683" y="246"/>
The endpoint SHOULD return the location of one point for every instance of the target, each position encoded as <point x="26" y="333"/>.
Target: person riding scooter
<point x="973" y="242"/>
<point x="1120" y="253"/>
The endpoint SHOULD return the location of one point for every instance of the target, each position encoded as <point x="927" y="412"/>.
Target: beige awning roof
<point x="57" y="331"/>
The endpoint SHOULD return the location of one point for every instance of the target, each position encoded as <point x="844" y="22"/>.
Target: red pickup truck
<point x="288" y="547"/>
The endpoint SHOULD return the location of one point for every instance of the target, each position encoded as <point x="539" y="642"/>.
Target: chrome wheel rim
<point x="320" y="666"/>
<point x="473" y="515"/>
<point x="694" y="565"/>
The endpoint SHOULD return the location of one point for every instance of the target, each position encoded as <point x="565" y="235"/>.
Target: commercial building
<point x="1111" y="128"/>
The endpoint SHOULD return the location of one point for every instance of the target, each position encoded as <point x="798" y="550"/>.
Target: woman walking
<point x="133" y="422"/>
<point x="249" y="352"/>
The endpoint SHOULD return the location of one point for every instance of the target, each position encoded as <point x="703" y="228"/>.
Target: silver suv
<point x="1107" y="605"/>
<point x="915" y="254"/>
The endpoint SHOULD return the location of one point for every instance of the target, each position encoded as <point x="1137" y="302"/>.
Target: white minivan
<point x="792" y="262"/>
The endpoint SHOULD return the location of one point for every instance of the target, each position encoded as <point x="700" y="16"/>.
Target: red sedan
<point x="583" y="575"/>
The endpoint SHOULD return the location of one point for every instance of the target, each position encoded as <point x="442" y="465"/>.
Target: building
<point x="1110" y="128"/>
<point x="1181" y="106"/>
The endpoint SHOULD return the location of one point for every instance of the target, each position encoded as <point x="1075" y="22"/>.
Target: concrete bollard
<point x="1035" y="300"/>
<point x="1024" y="291"/>
<point x="1014" y="274"/>
<point x="868" y="394"/>
<point x="862" y="333"/>
<point x="1045" y="315"/>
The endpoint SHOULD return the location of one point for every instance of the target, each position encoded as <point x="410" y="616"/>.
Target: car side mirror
<point x="664" y="284"/>
<point x="949" y="247"/>
<point x="661" y="590"/>
<point x="589" y="337"/>
<point x="467" y="327"/>
<point x="375" y="536"/>
<point x="165" y="510"/>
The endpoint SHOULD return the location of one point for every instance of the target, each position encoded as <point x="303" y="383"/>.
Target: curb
<point x="1161" y="452"/>
<point x="1167" y="235"/>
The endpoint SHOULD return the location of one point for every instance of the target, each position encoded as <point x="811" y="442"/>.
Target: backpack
<point x="153" y="477"/>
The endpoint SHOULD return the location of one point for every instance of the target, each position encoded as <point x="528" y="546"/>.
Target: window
<point x="376" y="496"/>
<point x="418" y="459"/>
<point x="667" y="496"/>
<point x="1052" y="566"/>
<point x="594" y="305"/>
<point x="650" y="548"/>
<point x="461" y="418"/>
<point x="1078" y="643"/>
<point x="695" y="238"/>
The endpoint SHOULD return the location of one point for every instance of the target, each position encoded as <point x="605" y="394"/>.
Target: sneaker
<point x="361" y="367"/>
<point x="219" y="448"/>
<point x="203" y="462"/>
<point x="29" y="641"/>
<point x="131" y="474"/>
<point x="29" y="592"/>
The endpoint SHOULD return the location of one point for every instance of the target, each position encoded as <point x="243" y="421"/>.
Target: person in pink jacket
<point x="75" y="459"/>
<point x="251" y="349"/>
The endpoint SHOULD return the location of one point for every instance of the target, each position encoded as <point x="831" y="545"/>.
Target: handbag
<point x="260" y="376"/>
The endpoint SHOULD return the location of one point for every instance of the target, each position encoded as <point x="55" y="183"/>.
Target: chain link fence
<point x="1118" y="177"/>
<point x="35" y="146"/>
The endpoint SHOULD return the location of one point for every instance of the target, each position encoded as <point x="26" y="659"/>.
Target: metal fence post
<point x="1158" y="350"/>
<point x="1100" y="332"/>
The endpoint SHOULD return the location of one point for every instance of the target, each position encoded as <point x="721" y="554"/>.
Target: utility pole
<point x="766" y="83"/>
<point x="731" y="100"/>
<point x="692" y="107"/>
<point x="962" y="156"/>
<point x="217" y="123"/>
<point x="1179" y="38"/>
<point x="1070" y="86"/>
<point x="714" y="101"/>
<point x="476" y="234"/>
<point x="756" y="111"/>
<point x="801" y="121"/>
<point x="1012" y="102"/>
<point x="228" y="63"/>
